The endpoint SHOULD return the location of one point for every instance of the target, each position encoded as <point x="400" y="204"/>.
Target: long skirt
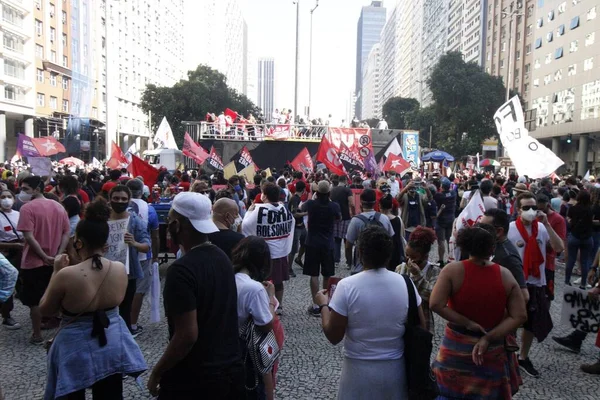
<point x="373" y="379"/>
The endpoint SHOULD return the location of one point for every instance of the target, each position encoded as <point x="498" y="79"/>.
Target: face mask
<point x="237" y="188"/>
<point x="514" y="193"/>
<point x="119" y="207"/>
<point x="24" y="197"/>
<point x="236" y="224"/>
<point x="392" y="178"/>
<point x="461" y="192"/>
<point x="7" y="203"/>
<point x="529" y="215"/>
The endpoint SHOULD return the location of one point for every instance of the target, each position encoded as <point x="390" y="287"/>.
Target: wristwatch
<point x="323" y="305"/>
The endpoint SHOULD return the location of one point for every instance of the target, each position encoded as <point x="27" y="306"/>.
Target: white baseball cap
<point x="198" y="209"/>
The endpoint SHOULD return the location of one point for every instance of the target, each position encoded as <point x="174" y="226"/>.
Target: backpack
<point x="370" y="221"/>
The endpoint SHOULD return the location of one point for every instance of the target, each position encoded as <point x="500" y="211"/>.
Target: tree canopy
<point x="396" y="109"/>
<point x="205" y="91"/>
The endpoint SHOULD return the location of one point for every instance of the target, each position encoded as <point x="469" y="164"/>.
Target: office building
<point x="265" y="98"/>
<point x="371" y="22"/>
<point x="509" y="42"/>
<point x="435" y="34"/>
<point x="389" y="58"/>
<point x="371" y="90"/>
<point x="565" y="92"/>
<point x="410" y="34"/>
<point x="17" y="76"/>
<point x="142" y="43"/>
<point x="466" y="33"/>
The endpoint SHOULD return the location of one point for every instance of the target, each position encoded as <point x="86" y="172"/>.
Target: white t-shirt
<point x="7" y="234"/>
<point x="274" y="223"/>
<point x="376" y="304"/>
<point x="542" y="238"/>
<point x="489" y="202"/>
<point x="252" y="300"/>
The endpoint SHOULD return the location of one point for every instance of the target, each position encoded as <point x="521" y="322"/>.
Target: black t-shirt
<point x="253" y="193"/>
<point x="448" y="199"/>
<point x="321" y="214"/>
<point x="226" y="240"/>
<point x="581" y="221"/>
<point x="72" y="205"/>
<point x="508" y="256"/>
<point x="340" y="195"/>
<point x="203" y="280"/>
<point x="294" y="206"/>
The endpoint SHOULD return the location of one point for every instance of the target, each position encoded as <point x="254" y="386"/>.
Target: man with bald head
<point x="226" y="216"/>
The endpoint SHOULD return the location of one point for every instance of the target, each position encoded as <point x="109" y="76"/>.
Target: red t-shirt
<point x="185" y="186"/>
<point x="557" y="222"/>
<point x="379" y="196"/>
<point x="84" y="196"/>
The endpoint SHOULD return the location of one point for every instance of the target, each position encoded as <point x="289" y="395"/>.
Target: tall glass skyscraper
<point x="266" y="86"/>
<point x="370" y="24"/>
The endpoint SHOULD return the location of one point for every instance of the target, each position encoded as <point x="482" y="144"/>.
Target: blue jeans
<point x="585" y="247"/>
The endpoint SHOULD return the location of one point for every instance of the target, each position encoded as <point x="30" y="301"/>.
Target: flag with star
<point x="48" y="146"/>
<point x="397" y="164"/>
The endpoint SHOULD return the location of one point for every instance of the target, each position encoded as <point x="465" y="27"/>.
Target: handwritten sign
<point x="580" y="311"/>
<point x="118" y="250"/>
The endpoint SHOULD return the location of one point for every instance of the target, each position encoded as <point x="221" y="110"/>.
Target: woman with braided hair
<point x="423" y="273"/>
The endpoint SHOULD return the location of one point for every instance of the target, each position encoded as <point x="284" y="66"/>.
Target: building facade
<point x="435" y="34"/>
<point x="410" y="33"/>
<point x="265" y="98"/>
<point x="466" y="33"/>
<point x="17" y="75"/>
<point x="389" y="58"/>
<point x="371" y="91"/>
<point x="565" y="92"/>
<point x="369" y="27"/>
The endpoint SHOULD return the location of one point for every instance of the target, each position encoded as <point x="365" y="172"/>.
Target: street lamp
<point x="510" y="16"/>
<point x="310" y="62"/>
<point x="297" y="3"/>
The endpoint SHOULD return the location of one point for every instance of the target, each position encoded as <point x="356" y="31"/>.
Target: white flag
<point x="472" y="212"/>
<point x="164" y="136"/>
<point x="394" y="148"/>
<point x="132" y="149"/>
<point x="96" y="163"/>
<point x="527" y="154"/>
<point x="587" y="176"/>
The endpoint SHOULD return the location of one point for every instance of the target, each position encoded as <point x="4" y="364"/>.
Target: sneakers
<point x="10" y="324"/>
<point x="135" y="332"/>
<point x="593" y="369"/>
<point x="528" y="368"/>
<point x="299" y="262"/>
<point x="314" y="311"/>
<point x="36" y="340"/>
<point x="569" y="343"/>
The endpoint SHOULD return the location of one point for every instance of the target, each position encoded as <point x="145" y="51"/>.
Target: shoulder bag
<point x="261" y="347"/>
<point x="420" y="380"/>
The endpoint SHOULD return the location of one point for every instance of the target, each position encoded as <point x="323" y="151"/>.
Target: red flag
<point x="117" y="158"/>
<point x="214" y="159"/>
<point x="328" y="156"/>
<point x="303" y="162"/>
<point x="194" y="151"/>
<point x="231" y="114"/>
<point x="396" y="163"/>
<point x="245" y="159"/>
<point x="48" y="146"/>
<point x="139" y="167"/>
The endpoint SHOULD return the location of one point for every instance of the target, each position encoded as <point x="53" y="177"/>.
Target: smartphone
<point x="331" y="285"/>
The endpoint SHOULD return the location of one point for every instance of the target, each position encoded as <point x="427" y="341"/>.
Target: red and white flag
<point x="48" y="146"/>
<point x="193" y="150"/>
<point x="397" y="164"/>
<point x="214" y="159"/>
<point x="117" y="158"/>
<point x="327" y="154"/>
<point x="303" y="162"/>
<point x="472" y="213"/>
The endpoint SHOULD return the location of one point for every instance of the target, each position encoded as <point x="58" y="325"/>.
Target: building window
<point x="536" y="83"/>
<point x="563" y="107"/>
<point x="548" y="79"/>
<point x="52" y="56"/>
<point x="526" y="87"/>
<point x="529" y="30"/>
<point x="540" y="22"/>
<point x="65" y="62"/>
<point x="503" y="46"/>
<point x="64" y="40"/>
<point x="518" y="36"/>
<point x="574" y="22"/>
<point x="560" y="30"/>
<point x="13" y="43"/>
<point x="562" y="7"/>
<point x="95" y="112"/>
<point x="590" y="100"/>
<point x="528" y="49"/>
<point x="572" y="70"/>
<point x="52" y="10"/>
<point x="53" y="102"/>
<point x="548" y="59"/>
<point x="538" y="43"/>
<point x="575" y="2"/>
<point x="518" y="54"/>
<point x="588" y="64"/>
<point x="41" y="100"/>
<point x="39" y="51"/>
<point x="550" y="15"/>
<point x="64" y="17"/>
<point x="65" y="106"/>
<point x="537" y="64"/>
<point x="591" y="14"/>
<point x="65" y="83"/>
<point x="52" y="34"/>
<point x="52" y="79"/>
<point x="549" y="37"/>
<point x="558" y="75"/>
<point x="527" y="68"/>
<point x="574" y="46"/>
<point x="40" y="75"/>
<point x="558" y="53"/>
<point x="590" y="38"/>
<point x="39" y="27"/>
<point x="502" y="63"/>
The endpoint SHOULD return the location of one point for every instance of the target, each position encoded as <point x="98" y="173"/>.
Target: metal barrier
<point x="254" y="132"/>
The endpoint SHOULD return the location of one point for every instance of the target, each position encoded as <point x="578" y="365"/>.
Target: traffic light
<point x="569" y="138"/>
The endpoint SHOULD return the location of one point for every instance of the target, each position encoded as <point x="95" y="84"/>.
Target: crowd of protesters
<point x="239" y="242"/>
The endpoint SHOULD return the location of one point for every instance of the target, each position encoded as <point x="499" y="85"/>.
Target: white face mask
<point x="514" y="193"/>
<point x="236" y="224"/>
<point x="24" y="197"/>
<point x="528" y="215"/>
<point x="7" y="203"/>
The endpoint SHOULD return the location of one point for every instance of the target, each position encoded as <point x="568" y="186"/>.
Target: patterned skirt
<point x="458" y="376"/>
<point x="340" y="228"/>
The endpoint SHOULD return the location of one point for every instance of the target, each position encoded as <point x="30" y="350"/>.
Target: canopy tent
<point x="437" y="156"/>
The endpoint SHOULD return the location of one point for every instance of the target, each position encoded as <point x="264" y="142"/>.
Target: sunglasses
<point x="527" y="208"/>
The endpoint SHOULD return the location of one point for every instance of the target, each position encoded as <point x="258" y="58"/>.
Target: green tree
<point x="465" y="100"/>
<point x="395" y="111"/>
<point x="205" y="91"/>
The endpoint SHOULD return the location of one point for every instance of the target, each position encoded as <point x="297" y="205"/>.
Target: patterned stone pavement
<point x="310" y="366"/>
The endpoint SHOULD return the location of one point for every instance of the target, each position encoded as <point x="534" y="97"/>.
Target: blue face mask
<point x="237" y="188"/>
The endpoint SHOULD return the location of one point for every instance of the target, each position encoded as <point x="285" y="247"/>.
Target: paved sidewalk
<point x="310" y="366"/>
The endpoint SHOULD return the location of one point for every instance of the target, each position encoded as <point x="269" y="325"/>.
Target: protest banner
<point x="41" y="166"/>
<point x="118" y="250"/>
<point x="229" y="170"/>
<point x="580" y="311"/>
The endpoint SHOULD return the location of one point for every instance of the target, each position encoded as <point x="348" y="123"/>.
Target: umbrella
<point x="437" y="156"/>
<point x="72" y="161"/>
<point x="487" y="162"/>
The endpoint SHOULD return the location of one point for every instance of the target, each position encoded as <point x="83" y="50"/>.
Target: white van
<point x="171" y="159"/>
